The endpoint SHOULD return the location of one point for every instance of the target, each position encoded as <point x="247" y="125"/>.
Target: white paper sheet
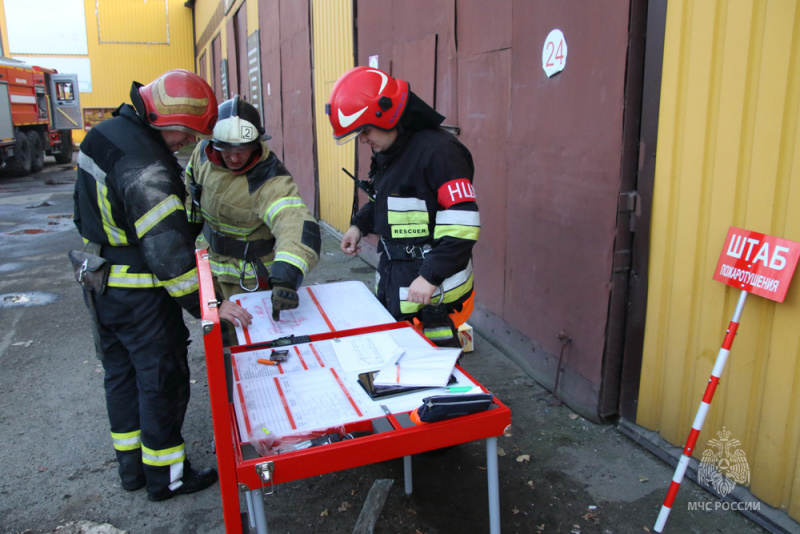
<point x="311" y="390"/>
<point x="419" y="367"/>
<point x="323" y="308"/>
<point x="366" y="353"/>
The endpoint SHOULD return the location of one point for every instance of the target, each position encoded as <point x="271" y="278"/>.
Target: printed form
<point x="317" y="387"/>
<point x="323" y="308"/>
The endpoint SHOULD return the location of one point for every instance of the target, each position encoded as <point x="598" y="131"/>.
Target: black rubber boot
<point x="192" y="481"/>
<point x="131" y="470"/>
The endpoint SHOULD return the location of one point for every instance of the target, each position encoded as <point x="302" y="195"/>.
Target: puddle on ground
<point x="34" y="298"/>
<point x="29" y="231"/>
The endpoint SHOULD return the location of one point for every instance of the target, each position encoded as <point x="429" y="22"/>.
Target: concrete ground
<point x="559" y="473"/>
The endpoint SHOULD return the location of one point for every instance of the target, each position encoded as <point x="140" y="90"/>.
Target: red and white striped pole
<point x="722" y="357"/>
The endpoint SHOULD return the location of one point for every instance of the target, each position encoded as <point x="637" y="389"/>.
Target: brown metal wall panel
<point x="484" y="76"/>
<point x="564" y="178"/>
<point x="240" y="26"/>
<point x="483" y="26"/>
<point x="484" y="123"/>
<point x="384" y="26"/>
<point x="269" y="29"/>
<point x="216" y="71"/>
<point x="415" y="62"/>
<point x="548" y="154"/>
<point x="233" y="68"/>
<point x="297" y="97"/>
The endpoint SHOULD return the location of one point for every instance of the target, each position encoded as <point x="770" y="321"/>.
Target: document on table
<point x="323" y="308"/>
<point x="313" y="391"/>
<point x="430" y="366"/>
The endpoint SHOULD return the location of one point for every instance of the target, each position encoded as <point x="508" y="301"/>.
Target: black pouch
<point x="91" y="271"/>
<point x="441" y="407"/>
<point x="438" y="326"/>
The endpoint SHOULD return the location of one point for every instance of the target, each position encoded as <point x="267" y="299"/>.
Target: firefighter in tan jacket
<point x="259" y="233"/>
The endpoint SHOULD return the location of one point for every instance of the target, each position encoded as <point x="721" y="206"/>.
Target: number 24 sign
<point x="554" y="53"/>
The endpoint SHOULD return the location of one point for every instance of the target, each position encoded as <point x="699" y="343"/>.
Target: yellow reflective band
<point x="293" y="259"/>
<point x="235" y="231"/>
<point x="114" y="233"/>
<point x="127" y="441"/>
<point x="410" y="230"/>
<point x="461" y="232"/>
<point x="120" y="277"/>
<point x="227" y="269"/>
<point x="169" y="456"/>
<point x="183" y="284"/>
<point x="280" y="205"/>
<point x="159" y="212"/>
<point x="408" y="217"/>
<point x="459" y="287"/>
<point x="437" y="333"/>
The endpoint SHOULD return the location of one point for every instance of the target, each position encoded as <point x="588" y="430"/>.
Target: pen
<point x="458" y="389"/>
<point x="267" y="362"/>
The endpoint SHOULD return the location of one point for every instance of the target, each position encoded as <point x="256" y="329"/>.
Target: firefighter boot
<point x="191" y="482"/>
<point x="131" y="470"/>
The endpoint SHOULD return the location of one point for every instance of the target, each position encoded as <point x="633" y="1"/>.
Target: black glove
<point x="284" y="297"/>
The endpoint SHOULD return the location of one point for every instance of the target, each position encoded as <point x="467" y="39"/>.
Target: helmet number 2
<point x="246" y="132"/>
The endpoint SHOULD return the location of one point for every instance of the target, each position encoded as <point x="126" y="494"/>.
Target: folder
<point x="427" y="367"/>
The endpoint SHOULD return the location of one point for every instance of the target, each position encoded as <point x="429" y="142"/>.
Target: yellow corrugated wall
<point x="332" y="56"/>
<point x="131" y="40"/>
<point x="135" y="36"/>
<point x="728" y="155"/>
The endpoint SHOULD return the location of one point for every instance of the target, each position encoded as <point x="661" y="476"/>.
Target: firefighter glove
<point x="284" y="297"/>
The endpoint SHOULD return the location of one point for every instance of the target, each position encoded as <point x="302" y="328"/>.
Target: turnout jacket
<point x="261" y="204"/>
<point x="129" y="198"/>
<point x="424" y="203"/>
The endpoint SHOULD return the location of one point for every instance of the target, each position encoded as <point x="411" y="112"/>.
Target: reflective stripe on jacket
<point x="425" y="197"/>
<point x="262" y="204"/>
<point x="129" y="193"/>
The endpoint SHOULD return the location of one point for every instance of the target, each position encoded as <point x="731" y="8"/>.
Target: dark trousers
<point x="145" y="345"/>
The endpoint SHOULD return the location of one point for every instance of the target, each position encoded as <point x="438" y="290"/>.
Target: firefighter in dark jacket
<point x="423" y="206"/>
<point x="129" y="209"/>
<point x="259" y="232"/>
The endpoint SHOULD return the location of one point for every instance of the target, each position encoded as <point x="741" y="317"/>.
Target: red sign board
<point x="757" y="263"/>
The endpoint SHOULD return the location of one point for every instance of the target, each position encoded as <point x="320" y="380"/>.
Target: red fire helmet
<point x="365" y="96"/>
<point x="180" y="100"/>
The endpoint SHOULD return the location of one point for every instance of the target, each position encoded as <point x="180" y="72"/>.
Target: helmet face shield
<point x="346" y="138"/>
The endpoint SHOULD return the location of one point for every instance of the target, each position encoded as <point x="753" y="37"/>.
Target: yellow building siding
<point x="727" y="155"/>
<point x="333" y="55"/>
<point x="132" y="40"/>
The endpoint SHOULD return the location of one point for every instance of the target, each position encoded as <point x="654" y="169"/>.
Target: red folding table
<point x="392" y="435"/>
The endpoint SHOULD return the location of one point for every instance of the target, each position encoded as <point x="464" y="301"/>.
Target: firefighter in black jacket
<point x="423" y="206"/>
<point x="129" y="209"/>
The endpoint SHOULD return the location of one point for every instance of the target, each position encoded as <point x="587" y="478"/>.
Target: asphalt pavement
<point x="559" y="473"/>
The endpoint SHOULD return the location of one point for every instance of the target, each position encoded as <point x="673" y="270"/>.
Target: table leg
<point x="249" y="498"/>
<point x="259" y="515"/>
<point x="407" y="474"/>
<point x="494" y="487"/>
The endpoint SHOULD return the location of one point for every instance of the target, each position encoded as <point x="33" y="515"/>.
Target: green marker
<point x="459" y="389"/>
<point x="264" y="430"/>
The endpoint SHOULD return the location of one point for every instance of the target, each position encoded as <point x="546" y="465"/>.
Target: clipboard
<point x="365" y="380"/>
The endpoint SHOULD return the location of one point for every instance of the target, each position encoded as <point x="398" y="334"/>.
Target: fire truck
<point x="39" y="108"/>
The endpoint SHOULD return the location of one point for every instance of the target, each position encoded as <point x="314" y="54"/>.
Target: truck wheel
<point x="20" y="164"/>
<point x="37" y="150"/>
<point x="64" y="155"/>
